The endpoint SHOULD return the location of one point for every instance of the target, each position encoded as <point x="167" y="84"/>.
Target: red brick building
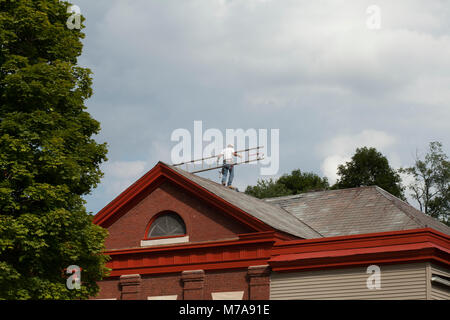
<point x="175" y="235"/>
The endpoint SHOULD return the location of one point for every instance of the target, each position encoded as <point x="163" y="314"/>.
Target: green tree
<point x="299" y="182"/>
<point x="431" y="183"/>
<point x="268" y="188"/>
<point x="48" y="158"/>
<point x="369" y="167"/>
<point x="287" y="184"/>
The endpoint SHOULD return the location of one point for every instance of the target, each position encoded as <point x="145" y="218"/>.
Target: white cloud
<point x="341" y="148"/>
<point x="121" y="174"/>
<point x="125" y="169"/>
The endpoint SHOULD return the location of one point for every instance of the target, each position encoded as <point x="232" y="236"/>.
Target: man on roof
<point x="228" y="164"/>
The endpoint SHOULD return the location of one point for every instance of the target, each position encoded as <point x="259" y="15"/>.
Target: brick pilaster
<point x="130" y="287"/>
<point x="259" y="282"/>
<point x="193" y="283"/>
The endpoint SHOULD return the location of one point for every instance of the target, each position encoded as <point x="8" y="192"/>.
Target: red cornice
<point x="263" y="248"/>
<point x="387" y="247"/>
<point x="247" y="238"/>
<point x="354" y="260"/>
<point x="363" y="240"/>
<point x="154" y="178"/>
<point x="247" y="250"/>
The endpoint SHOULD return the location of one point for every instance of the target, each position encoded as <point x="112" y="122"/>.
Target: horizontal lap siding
<point x="397" y="282"/>
<point x="439" y="291"/>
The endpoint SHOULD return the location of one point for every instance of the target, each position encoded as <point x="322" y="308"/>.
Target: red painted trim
<point x="324" y="265"/>
<point x="242" y="239"/>
<point x="371" y="236"/>
<point x="362" y="241"/>
<point x="247" y="250"/>
<point x="386" y="247"/>
<point x="219" y="265"/>
<point x="286" y="256"/>
<point x="357" y="251"/>
<point x="156" y="216"/>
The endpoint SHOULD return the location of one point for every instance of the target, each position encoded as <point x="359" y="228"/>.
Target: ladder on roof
<point x="205" y="166"/>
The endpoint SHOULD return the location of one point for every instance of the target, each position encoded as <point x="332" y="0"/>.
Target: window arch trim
<point x="158" y="215"/>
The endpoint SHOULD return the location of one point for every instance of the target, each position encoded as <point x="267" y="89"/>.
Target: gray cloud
<point x="309" y="68"/>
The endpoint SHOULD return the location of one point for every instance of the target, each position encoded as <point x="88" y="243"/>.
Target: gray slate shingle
<point x="326" y="213"/>
<point x="356" y="211"/>
<point x="271" y="215"/>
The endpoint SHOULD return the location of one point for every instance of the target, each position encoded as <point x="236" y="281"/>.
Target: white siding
<point x="405" y="281"/>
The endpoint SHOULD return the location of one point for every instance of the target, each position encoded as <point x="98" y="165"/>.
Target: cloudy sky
<point x="319" y="71"/>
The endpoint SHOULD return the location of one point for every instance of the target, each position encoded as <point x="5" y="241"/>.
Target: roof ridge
<point x="383" y="193"/>
<point x="238" y="196"/>
<point x="393" y="199"/>
<point x="303" y="222"/>
<point x="228" y="189"/>
<point x="265" y="202"/>
<point x="298" y="195"/>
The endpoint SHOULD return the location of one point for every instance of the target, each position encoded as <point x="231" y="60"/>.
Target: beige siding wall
<point x="439" y="291"/>
<point x="404" y="281"/>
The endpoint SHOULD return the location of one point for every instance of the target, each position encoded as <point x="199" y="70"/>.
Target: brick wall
<point x="194" y="284"/>
<point x="202" y="221"/>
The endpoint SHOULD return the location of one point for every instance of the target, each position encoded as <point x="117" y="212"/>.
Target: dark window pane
<point x="169" y="224"/>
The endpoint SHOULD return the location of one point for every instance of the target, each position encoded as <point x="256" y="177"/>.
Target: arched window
<point x="168" y="224"/>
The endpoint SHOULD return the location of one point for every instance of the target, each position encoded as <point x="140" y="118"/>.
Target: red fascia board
<point x="387" y="247"/>
<point x="358" y="251"/>
<point x="368" y="235"/>
<point x="409" y="246"/>
<point x="363" y="258"/>
<point x="249" y="249"/>
<point x="244" y="239"/>
<point x="324" y="264"/>
<point x="222" y="265"/>
<point x="363" y="241"/>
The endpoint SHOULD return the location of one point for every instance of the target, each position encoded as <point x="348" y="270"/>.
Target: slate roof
<point x="355" y="211"/>
<point x="326" y="213"/>
<point x="270" y="214"/>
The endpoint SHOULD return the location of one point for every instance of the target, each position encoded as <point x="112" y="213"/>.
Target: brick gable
<point x="203" y="222"/>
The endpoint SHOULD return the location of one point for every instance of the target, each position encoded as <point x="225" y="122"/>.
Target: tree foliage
<point x="299" y="182"/>
<point x="369" y="167"/>
<point x="48" y="158"/>
<point x="268" y="188"/>
<point x="288" y="184"/>
<point x="431" y="182"/>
